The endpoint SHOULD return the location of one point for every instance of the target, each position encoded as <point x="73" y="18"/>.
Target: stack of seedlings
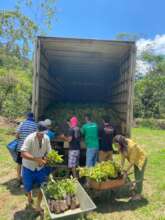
<point x="101" y="172"/>
<point x="53" y="158"/>
<point x="61" y="195"/>
<point x="63" y="111"/>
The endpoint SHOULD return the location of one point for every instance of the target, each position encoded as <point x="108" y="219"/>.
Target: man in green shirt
<point x="90" y="131"/>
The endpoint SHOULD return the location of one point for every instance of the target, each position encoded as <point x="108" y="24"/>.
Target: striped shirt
<point x="24" y="129"/>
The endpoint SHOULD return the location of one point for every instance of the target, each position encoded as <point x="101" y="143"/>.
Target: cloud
<point x="142" y="67"/>
<point x="156" y="45"/>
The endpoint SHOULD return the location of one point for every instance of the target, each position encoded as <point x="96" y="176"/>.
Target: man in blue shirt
<point x="24" y="129"/>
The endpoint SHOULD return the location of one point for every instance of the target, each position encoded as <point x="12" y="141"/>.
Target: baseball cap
<point x="47" y="122"/>
<point x="30" y="115"/>
<point x="41" y="126"/>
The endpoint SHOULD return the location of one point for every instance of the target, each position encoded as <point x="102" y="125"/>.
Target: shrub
<point x="150" y="123"/>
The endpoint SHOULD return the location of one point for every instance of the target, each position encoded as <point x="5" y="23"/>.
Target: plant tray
<point x="109" y="184"/>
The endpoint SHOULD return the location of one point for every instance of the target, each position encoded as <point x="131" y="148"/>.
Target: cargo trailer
<point x="71" y="70"/>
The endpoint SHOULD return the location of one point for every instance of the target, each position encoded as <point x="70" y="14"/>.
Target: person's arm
<point x="28" y="156"/>
<point x="100" y="130"/>
<point x="114" y="132"/>
<point x="70" y="135"/>
<point x="17" y="133"/>
<point x="122" y="162"/>
<point x="64" y="138"/>
<point x="69" y="138"/>
<point x="129" y="167"/>
<point x="82" y="130"/>
<point x="125" y="171"/>
<point x="49" y="148"/>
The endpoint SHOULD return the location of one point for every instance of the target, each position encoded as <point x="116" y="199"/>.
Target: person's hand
<point x="62" y="136"/>
<point x="45" y="159"/>
<point x="40" y="161"/>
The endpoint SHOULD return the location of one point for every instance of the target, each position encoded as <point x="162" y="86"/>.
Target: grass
<point x="114" y="206"/>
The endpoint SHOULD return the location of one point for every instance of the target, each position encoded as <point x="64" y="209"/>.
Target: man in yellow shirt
<point x="136" y="157"/>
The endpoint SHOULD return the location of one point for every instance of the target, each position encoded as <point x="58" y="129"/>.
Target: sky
<point x="104" y="19"/>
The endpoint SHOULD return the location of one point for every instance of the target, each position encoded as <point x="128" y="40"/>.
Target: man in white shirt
<point x="34" y="149"/>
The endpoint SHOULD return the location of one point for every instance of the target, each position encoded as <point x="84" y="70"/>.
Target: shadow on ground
<point x="120" y="205"/>
<point x="27" y="214"/>
<point x="116" y="200"/>
<point x="12" y="186"/>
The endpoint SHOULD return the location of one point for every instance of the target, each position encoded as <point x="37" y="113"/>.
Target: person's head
<point x="41" y="130"/>
<point x="30" y="115"/>
<point x="106" y="119"/>
<point x="67" y="121"/>
<point x="88" y="118"/>
<point x="48" y="123"/>
<point x="121" y="143"/>
<point x="73" y="122"/>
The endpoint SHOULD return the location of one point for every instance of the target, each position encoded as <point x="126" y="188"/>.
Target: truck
<point x="85" y="70"/>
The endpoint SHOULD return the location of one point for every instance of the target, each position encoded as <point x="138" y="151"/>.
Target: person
<point x="106" y="134"/>
<point x="74" y="145"/>
<point x="33" y="151"/>
<point x="90" y="131"/>
<point x="136" y="157"/>
<point x="64" y="127"/>
<point x="48" y="124"/>
<point x="23" y="130"/>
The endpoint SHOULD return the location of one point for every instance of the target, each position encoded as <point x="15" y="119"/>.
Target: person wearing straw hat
<point x="136" y="157"/>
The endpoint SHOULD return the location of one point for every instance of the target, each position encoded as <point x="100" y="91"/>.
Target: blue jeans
<point x="91" y="156"/>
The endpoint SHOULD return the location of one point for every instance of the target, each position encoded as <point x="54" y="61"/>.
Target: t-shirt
<point x="64" y="128"/>
<point x="51" y="134"/>
<point x="106" y="134"/>
<point x="90" y="132"/>
<point x="24" y="129"/>
<point x="74" y="144"/>
<point x="136" y="155"/>
<point x="32" y="146"/>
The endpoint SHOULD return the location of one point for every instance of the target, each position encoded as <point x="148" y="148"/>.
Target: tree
<point x="15" y="91"/>
<point x="124" y="36"/>
<point x="17" y="34"/>
<point x="7" y="85"/>
<point x="150" y="89"/>
<point x="157" y="62"/>
<point x="18" y="30"/>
